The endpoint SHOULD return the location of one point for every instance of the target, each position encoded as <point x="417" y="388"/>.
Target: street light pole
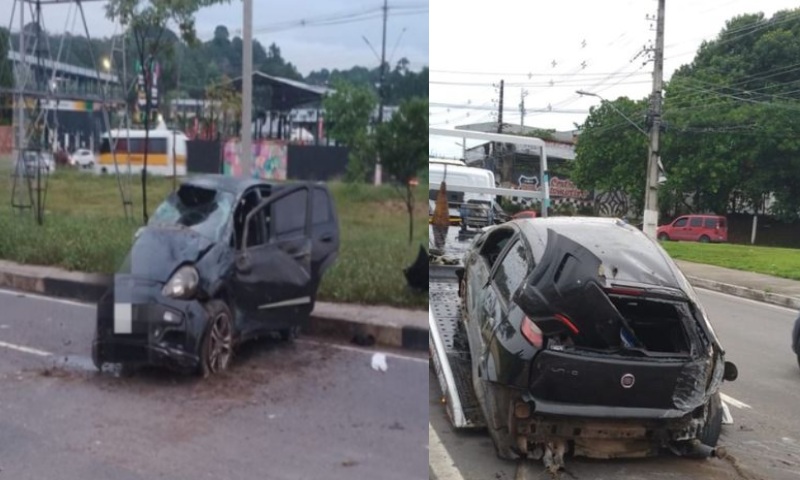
<point x="611" y="104"/>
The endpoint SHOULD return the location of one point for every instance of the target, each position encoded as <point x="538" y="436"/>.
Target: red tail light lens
<point x="634" y="292"/>
<point x="531" y="332"/>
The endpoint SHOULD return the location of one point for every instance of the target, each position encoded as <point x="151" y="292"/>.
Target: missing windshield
<point x="204" y="210"/>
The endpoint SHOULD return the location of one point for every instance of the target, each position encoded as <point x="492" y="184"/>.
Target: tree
<point x="734" y="111"/>
<point x="147" y="21"/>
<point x="6" y="78"/>
<point x="348" y="113"/>
<point x="731" y="120"/>
<point x="404" y="149"/>
<point x="611" y="154"/>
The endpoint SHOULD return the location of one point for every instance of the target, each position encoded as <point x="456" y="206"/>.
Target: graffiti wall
<point x="565" y="195"/>
<point x="270" y="159"/>
<point x="6" y="140"/>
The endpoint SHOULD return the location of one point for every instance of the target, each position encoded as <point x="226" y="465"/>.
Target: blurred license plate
<point x="123" y="318"/>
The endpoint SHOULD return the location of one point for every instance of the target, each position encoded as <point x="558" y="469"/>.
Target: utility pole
<point x="378" y="173"/>
<point x="522" y="94"/>
<point x="500" y="110"/>
<point x="653" y="154"/>
<point x="246" y="156"/>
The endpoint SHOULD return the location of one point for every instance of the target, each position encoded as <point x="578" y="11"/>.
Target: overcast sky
<point x="576" y="44"/>
<point x="339" y="45"/>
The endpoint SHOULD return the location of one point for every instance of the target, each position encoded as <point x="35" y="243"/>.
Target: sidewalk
<point x="755" y="286"/>
<point x="361" y="324"/>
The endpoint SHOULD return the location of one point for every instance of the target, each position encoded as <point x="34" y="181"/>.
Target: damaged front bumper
<point x="137" y="325"/>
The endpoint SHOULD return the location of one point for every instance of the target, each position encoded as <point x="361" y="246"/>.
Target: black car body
<point x="585" y="337"/>
<point x="222" y="260"/>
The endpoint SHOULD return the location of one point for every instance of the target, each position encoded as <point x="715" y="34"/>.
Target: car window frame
<point x="675" y="223"/>
<point x="273" y="230"/>
<point x="516" y="238"/>
<point x="699" y="221"/>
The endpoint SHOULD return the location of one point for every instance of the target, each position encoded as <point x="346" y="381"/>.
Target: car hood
<point x="158" y="251"/>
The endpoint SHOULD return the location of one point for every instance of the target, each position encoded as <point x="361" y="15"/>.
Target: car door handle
<point x="326" y="238"/>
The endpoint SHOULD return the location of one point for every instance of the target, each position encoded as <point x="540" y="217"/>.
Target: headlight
<point x="183" y="283"/>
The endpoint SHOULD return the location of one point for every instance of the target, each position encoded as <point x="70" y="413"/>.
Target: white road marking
<point x="439" y="460"/>
<point x="732" y="401"/>
<point x="15" y="293"/>
<point x="362" y="350"/>
<point x="748" y="300"/>
<point x="21" y="348"/>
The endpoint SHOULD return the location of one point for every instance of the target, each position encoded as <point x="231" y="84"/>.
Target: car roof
<point x="619" y="246"/>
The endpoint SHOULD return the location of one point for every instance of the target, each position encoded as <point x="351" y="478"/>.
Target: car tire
<point x="98" y="363"/>
<point x="798" y="359"/>
<point x="704" y="239"/>
<point x="709" y="433"/>
<point x="290" y="334"/>
<point x="216" y="350"/>
<point x="663" y="237"/>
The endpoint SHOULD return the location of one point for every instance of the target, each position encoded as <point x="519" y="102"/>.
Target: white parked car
<point x="82" y="158"/>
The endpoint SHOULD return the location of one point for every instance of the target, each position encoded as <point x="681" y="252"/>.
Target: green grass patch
<point x="778" y="262"/>
<point x="85" y="229"/>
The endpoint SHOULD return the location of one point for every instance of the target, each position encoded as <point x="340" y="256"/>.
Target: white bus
<point x="166" y="153"/>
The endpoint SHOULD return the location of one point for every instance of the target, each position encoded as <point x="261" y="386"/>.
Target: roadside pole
<point x="246" y="155"/>
<point x="653" y="154"/>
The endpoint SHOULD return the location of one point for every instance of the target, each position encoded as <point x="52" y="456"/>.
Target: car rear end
<point x="623" y="368"/>
<point x="719" y="226"/>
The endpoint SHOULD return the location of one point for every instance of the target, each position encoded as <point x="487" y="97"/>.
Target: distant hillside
<point x="187" y="72"/>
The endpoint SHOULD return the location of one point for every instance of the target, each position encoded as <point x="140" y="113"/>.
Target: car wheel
<point x="709" y="434"/>
<point x="98" y="363"/>
<point x="217" y="348"/>
<point x="704" y="239"/>
<point x="663" y="237"/>
<point x="290" y="334"/>
<point x="798" y="359"/>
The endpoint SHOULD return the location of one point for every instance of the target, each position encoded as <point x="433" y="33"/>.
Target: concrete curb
<point x="89" y="288"/>
<point x="745" y="292"/>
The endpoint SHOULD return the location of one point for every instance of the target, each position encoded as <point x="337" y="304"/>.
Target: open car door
<point x="274" y="277"/>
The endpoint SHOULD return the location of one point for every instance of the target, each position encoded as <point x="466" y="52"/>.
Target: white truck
<point x="467" y="209"/>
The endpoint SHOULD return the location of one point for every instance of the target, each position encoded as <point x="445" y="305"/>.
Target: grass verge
<point x="85" y="230"/>
<point x="778" y="262"/>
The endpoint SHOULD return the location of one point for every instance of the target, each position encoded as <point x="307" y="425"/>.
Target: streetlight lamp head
<point x="106" y="63"/>
<point x="584" y="92"/>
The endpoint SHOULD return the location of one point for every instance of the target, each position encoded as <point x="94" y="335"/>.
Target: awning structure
<point x="287" y="93"/>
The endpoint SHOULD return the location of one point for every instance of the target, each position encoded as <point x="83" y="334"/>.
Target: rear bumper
<point x="599" y="431"/>
<point x="162" y="331"/>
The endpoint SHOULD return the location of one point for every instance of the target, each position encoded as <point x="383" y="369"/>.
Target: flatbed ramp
<point x="449" y="347"/>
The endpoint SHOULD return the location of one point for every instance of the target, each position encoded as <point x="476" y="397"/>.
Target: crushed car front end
<point x="155" y="311"/>
<point x="138" y="324"/>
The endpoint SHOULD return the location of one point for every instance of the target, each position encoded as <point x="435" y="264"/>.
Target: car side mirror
<point x="243" y="263"/>
<point x="731" y="372"/>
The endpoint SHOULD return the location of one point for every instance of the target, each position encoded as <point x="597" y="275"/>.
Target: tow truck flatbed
<point x="449" y="348"/>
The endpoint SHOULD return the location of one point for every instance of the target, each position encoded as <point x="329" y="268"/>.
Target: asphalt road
<point x="764" y="440"/>
<point x="308" y="410"/>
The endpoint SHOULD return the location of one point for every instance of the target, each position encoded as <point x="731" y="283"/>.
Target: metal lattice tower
<point x="36" y="100"/>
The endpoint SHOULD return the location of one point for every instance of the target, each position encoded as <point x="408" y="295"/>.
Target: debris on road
<point x="379" y="362"/>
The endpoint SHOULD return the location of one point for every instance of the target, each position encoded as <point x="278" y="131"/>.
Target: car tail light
<point x="531" y="332"/>
<point x="566" y="321"/>
<point x="630" y="291"/>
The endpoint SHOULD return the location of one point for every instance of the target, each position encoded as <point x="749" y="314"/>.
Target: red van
<point x="695" y="228"/>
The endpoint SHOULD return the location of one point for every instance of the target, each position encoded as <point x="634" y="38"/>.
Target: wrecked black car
<point x="221" y="260"/>
<point x="586" y="338"/>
